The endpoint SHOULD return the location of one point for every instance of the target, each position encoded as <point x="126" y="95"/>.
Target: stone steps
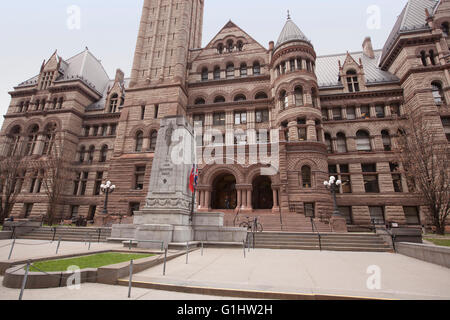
<point x="68" y="234"/>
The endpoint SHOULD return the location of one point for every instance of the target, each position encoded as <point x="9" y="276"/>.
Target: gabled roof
<point x="327" y="69"/>
<point x="291" y="32"/>
<point x="412" y="18"/>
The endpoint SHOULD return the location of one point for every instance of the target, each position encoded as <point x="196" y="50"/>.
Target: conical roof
<point x="291" y="32"/>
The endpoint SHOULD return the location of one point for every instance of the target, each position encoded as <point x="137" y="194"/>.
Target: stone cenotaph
<point x="167" y="212"/>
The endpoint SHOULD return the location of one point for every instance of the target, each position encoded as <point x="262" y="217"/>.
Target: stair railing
<point x="313" y="225"/>
<point x="235" y="217"/>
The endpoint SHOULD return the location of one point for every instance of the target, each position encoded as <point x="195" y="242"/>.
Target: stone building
<point x="329" y="115"/>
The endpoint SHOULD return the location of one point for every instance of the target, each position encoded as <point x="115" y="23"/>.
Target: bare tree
<point x="55" y="170"/>
<point x="425" y="157"/>
<point x="11" y="178"/>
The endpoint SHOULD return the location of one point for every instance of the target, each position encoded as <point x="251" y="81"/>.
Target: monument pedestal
<point x="338" y="224"/>
<point x="166" y="216"/>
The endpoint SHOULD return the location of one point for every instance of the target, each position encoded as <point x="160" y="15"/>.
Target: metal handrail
<point x="313" y="224"/>
<point x="235" y="217"/>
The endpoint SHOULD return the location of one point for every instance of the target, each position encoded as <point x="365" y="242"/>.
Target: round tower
<point x="298" y="115"/>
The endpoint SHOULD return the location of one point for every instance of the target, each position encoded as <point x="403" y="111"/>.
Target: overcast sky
<point x="30" y="30"/>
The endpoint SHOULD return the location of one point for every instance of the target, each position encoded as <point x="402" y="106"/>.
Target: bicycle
<point x="252" y="225"/>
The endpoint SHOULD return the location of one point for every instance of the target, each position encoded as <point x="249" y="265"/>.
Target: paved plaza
<point x="282" y="271"/>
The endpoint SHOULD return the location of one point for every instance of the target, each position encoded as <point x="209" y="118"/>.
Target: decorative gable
<point x="351" y="74"/>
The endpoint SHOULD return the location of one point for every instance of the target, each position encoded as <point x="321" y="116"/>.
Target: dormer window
<point x="113" y="103"/>
<point x="46" y="80"/>
<point x="352" y="81"/>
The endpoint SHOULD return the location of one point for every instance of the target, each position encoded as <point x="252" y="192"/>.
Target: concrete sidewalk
<point x="308" y="272"/>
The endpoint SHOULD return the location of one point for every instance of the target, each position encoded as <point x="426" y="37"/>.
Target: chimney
<point x="119" y="76"/>
<point x="271" y="45"/>
<point x="367" y="48"/>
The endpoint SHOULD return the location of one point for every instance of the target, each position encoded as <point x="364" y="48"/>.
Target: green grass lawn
<point x="91" y="261"/>
<point x="440" y="242"/>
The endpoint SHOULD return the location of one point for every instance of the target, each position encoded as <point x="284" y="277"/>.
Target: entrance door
<point x="262" y="193"/>
<point x="224" y="195"/>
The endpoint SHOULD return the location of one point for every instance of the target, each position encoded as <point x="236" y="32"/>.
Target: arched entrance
<point x="224" y="194"/>
<point x="262" y="193"/>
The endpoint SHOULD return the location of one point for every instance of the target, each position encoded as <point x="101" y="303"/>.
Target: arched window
<point x="328" y="143"/>
<point x="352" y="81"/>
<point x="205" y="74"/>
<point x="82" y="153"/>
<point x="261" y="95"/>
<point x="14" y="141"/>
<point x="49" y="138"/>
<point x="60" y="103"/>
<point x="445" y="29"/>
<point x="230" y="45"/>
<point x="423" y="57"/>
<point x="438" y="93"/>
<point x="139" y="141"/>
<point x="219" y="99"/>
<point x="432" y="58"/>
<point x="298" y="93"/>
<point x="230" y="70"/>
<point x="306" y="177"/>
<point x="153" y="139"/>
<point x="113" y="103"/>
<point x="104" y="153"/>
<point x="314" y="98"/>
<point x="341" y="142"/>
<point x="386" y="140"/>
<point x="240" y="45"/>
<point x="220" y="48"/>
<point x="283" y="100"/>
<point x="363" y="141"/>
<point x="243" y="70"/>
<point x="199" y="101"/>
<point x="256" y="68"/>
<point x="217" y="73"/>
<point x="32" y="139"/>
<point x="240" y="97"/>
<point x="91" y="154"/>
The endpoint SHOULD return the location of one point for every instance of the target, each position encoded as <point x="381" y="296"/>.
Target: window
<point x="216" y="73"/>
<point x="314" y="98"/>
<point x="337" y="114"/>
<point x="351" y="114"/>
<point x="230" y="71"/>
<point x="28" y="208"/>
<point x="386" y="140"/>
<point x="432" y="58"/>
<point x="142" y="112"/>
<point x="423" y="57"/>
<point x="395" y="109"/>
<point x="113" y="103"/>
<point x="371" y="179"/>
<point x="199" y="120"/>
<point x="341" y="142"/>
<point x="261" y="95"/>
<point x="352" y="81"/>
<point x="14" y="141"/>
<point x="32" y="140"/>
<point x="365" y="112"/>
<point x="347" y="214"/>
<point x="412" y="215"/>
<point x="153" y="140"/>
<point x="446" y="125"/>
<point x="91" y="214"/>
<point x="445" y="29"/>
<point x="219" y="119"/>
<point x="74" y="211"/>
<point x="113" y="129"/>
<point x="199" y="101"/>
<point x="95" y="131"/>
<point x="156" y="114"/>
<point x="104" y="153"/>
<point x="104" y="130"/>
<point x="325" y="114"/>
<point x="302" y="134"/>
<point x="256" y="69"/>
<point x="240" y="97"/>
<point x="309" y="210"/>
<point x="299" y="64"/>
<point x="292" y="65"/>
<point x="298" y="94"/>
<point x="240" y="117"/>
<point x="283" y="99"/>
<point x="36" y="181"/>
<point x="438" y="93"/>
<point x="205" y="74"/>
<point x="46" y="80"/>
<point x="220" y="48"/>
<point x="87" y="129"/>
<point x="377" y="215"/>
<point x="230" y="46"/>
<point x="98" y="183"/>
<point x="262" y="136"/>
<point x="91" y="154"/>
<point x="84" y="178"/>
<point x="363" y="141"/>
<point x="262" y="116"/>
<point x="82" y="153"/>
<point x="328" y="143"/>
<point x="219" y="99"/>
<point x="306" y="177"/>
<point x="49" y="139"/>
<point x="283" y="68"/>
<point x="139" y="141"/>
<point x="397" y="181"/>
<point x="139" y="178"/>
<point x="243" y="70"/>
<point x="379" y="110"/>
<point x="133" y="207"/>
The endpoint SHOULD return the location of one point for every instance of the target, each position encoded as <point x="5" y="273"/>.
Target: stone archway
<point x="224" y="194"/>
<point x="262" y="197"/>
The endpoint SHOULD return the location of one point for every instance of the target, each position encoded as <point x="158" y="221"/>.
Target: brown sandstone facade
<point x="333" y="115"/>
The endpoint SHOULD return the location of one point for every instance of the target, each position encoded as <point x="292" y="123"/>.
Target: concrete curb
<point x="439" y="255"/>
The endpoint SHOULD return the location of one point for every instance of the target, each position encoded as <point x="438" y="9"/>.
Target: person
<point x="227" y="203"/>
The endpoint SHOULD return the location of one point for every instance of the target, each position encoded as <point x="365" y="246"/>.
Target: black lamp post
<point x="333" y="186"/>
<point x="107" y="189"/>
